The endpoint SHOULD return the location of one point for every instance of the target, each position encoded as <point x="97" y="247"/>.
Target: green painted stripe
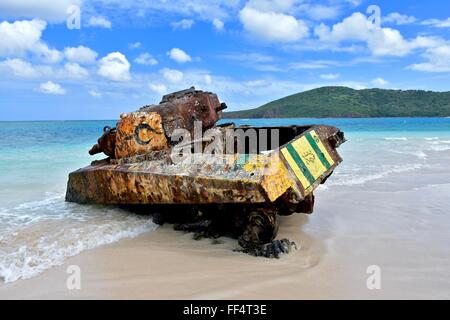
<point x="319" y="153"/>
<point x="300" y="164"/>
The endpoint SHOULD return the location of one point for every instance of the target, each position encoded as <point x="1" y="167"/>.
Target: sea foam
<point x="38" y="235"/>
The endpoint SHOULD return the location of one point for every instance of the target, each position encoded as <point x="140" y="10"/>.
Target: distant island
<point x="343" y="102"/>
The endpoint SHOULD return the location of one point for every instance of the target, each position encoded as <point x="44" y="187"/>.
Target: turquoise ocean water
<point x="39" y="230"/>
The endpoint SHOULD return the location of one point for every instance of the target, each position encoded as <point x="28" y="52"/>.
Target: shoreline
<point x="335" y="251"/>
<point x="225" y="118"/>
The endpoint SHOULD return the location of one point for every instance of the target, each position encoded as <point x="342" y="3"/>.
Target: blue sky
<point x="128" y="53"/>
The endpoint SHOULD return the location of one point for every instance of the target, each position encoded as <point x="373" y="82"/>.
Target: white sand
<point x="397" y="223"/>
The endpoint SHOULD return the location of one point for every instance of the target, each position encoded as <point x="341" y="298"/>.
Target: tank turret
<point x="150" y="128"/>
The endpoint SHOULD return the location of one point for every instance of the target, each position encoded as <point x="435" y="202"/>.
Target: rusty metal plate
<point x="139" y="133"/>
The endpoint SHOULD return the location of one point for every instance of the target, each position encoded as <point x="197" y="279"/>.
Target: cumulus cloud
<point x="114" y="66"/>
<point x="18" y="68"/>
<point x="272" y="26"/>
<point x="50" y="87"/>
<point x="146" y="59"/>
<point x="357" y="27"/>
<point x="388" y="42"/>
<point x="80" y="54"/>
<point x="100" y="22"/>
<point x="438" y="60"/>
<point x="50" y="10"/>
<point x="20" y="37"/>
<point x="183" y="24"/>
<point x="75" y="71"/>
<point x="172" y="75"/>
<point x="179" y="55"/>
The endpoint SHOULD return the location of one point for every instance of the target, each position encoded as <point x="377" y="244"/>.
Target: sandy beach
<point x="231" y="114"/>
<point x="335" y="251"/>
<point x="385" y="206"/>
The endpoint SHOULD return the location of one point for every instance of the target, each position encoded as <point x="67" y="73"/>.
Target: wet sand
<point x="399" y="223"/>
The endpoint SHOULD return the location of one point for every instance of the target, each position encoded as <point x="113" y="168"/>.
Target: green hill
<point x="345" y="102"/>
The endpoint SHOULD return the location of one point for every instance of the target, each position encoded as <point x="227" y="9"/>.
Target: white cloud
<point x="438" y="60"/>
<point x="100" y="21"/>
<point x="20" y="37"/>
<point x="272" y="26"/>
<point x="50" y="10"/>
<point x="179" y="55"/>
<point x="399" y="19"/>
<point x="48" y="55"/>
<point x="18" y="68"/>
<point x="171" y="75"/>
<point x="158" y="88"/>
<point x="114" y="66"/>
<point x="50" y="87"/>
<point x="146" y="59"/>
<point x="75" y="71"/>
<point x="95" y="93"/>
<point x="379" y="82"/>
<point x="437" y="23"/>
<point x="330" y="76"/>
<point x="184" y="24"/>
<point x="218" y="24"/>
<point x="357" y="27"/>
<point x="80" y="54"/>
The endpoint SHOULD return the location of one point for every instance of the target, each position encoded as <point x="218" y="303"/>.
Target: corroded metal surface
<point x="106" y="143"/>
<point x="203" y="179"/>
<point x="151" y="128"/>
<point x="139" y="133"/>
<point x="141" y="170"/>
<point x="226" y="179"/>
<point x="180" y="110"/>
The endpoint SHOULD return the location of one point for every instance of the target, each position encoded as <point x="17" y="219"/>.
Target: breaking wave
<point x="351" y="177"/>
<point x="396" y="139"/>
<point x="36" y="236"/>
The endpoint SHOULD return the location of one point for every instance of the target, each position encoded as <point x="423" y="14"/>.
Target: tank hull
<point x="286" y="174"/>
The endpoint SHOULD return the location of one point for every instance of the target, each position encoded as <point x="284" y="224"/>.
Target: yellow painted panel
<point x="309" y="157"/>
<point x="305" y="183"/>
<point x="322" y="147"/>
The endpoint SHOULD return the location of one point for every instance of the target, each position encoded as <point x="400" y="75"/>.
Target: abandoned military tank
<point x="173" y="161"/>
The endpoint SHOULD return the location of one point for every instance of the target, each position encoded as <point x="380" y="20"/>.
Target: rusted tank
<point x="209" y="179"/>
